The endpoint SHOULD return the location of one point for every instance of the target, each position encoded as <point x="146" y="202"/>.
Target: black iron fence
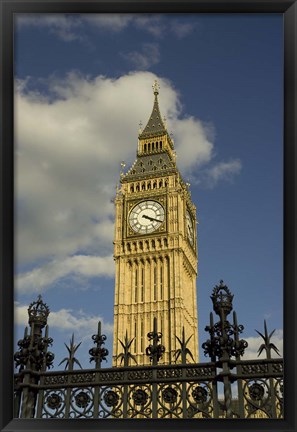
<point x="226" y="387"/>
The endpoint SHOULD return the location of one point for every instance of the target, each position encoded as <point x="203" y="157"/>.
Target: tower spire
<point x="155" y="150"/>
<point x="155" y="125"/>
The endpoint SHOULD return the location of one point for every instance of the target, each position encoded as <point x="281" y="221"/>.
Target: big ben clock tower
<point x="155" y="249"/>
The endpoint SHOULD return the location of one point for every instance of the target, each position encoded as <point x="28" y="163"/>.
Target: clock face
<point x="146" y="217"/>
<point x="190" y="228"/>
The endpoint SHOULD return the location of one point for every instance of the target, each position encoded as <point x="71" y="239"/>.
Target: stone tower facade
<point x="155" y="250"/>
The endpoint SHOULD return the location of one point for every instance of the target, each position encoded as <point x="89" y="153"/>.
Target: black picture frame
<point x="289" y="11"/>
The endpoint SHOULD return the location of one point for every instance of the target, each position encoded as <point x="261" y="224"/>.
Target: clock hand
<point x="150" y="218"/>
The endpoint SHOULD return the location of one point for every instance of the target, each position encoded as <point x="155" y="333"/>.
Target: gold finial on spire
<point x="156" y="87"/>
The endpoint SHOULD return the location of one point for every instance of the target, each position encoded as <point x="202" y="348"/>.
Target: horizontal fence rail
<point x="174" y="391"/>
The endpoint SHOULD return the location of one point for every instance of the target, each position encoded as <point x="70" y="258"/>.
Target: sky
<point x="83" y="84"/>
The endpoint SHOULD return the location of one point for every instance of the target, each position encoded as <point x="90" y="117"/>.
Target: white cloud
<point x="221" y="171"/>
<point x="150" y="23"/>
<point x="72" y="27"/>
<point x="69" y="146"/>
<point x="69" y="28"/>
<point x="153" y="24"/>
<point x="40" y="279"/>
<point x="254" y="344"/>
<point x="66" y="28"/>
<point x="66" y="319"/>
<point x="181" y="29"/>
<point x="144" y="59"/>
<point x="224" y="169"/>
<point x="107" y="21"/>
<point x="193" y="145"/>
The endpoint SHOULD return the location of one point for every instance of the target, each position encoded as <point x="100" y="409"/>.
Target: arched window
<point x="132" y="188"/>
<point x="155" y="282"/>
<point x="136" y="286"/>
<point x="167" y="263"/>
<point x="153" y="146"/>
<point x="141" y="336"/>
<point x="144" y="147"/>
<point x="142" y="284"/>
<point x="135" y="336"/>
<point x="161" y="145"/>
<point x="161" y="281"/>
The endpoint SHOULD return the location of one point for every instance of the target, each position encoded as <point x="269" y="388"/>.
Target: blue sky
<point x="83" y="84"/>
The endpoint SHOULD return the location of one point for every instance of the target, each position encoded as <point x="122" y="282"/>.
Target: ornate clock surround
<point x="132" y="203"/>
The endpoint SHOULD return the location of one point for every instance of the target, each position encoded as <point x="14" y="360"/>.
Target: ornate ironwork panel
<point x="222" y="388"/>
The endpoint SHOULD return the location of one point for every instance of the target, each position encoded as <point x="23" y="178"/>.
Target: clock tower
<point x="155" y="250"/>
